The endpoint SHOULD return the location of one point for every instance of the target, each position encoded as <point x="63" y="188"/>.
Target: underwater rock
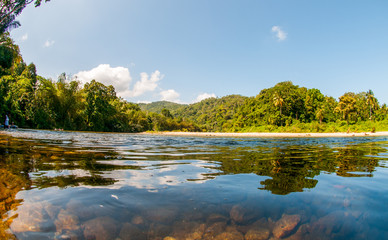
<point x="162" y="215"/>
<point x="69" y="235"/>
<point x="189" y="230"/>
<point x="78" y="208"/>
<point x="213" y="218"/>
<point x="214" y="230"/>
<point x="302" y="234"/>
<point x="138" y="220"/>
<point x="237" y="213"/>
<point x="66" y="221"/>
<point x="131" y="232"/>
<point x="51" y="210"/>
<point x="101" y="228"/>
<point x="31" y="217"/>
<point x="257" y="234"/>
<point x="158" y="231"/>
<point x="285" y="225"/>
<point x="231" y="233"/>
<point x="328" y="224"/>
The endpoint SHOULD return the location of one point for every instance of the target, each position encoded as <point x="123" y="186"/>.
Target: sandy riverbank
<point x="270" y="135"/>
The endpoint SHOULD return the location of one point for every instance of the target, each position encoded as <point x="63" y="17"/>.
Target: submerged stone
<point x="214" y="230"/>
<point x="158" y="231"/>
<point x="162" y="215"/>
<point x="101" y="228"/>
<point x="230" y="235"/>
<point x="257" y="234"/>
<point x="237" y="213"/>
<point x="131" y="232"/>
<point x="213" y="218"/>
<point x="189" y="230"/>
<point x="66" y="221"/>
<point x="31" y="217"/>
<point x="285" y="225"/>
<point x="78" y="208"/>
<point x="138" y="220"/>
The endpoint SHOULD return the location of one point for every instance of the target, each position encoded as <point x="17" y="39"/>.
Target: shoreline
<point x="268" y="134"/>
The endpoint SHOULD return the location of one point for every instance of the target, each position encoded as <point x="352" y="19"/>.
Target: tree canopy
<point x="10" y="9"/>
<point x="36" y="102"/>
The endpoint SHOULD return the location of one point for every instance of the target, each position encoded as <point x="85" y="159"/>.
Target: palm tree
<point x="320" y="115"/>
<point x="278" y="101"/>
<point x="346" y="106"/>
<point x="371" y="101"/>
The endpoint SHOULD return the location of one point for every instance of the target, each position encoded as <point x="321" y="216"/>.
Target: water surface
<point x="77" y="185"/>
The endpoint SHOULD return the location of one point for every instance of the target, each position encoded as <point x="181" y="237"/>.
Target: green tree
<point x="278" y="101"/>
<point x="98" y="109"/>
<point x="166" y="113"/>
<point x="371" y="102"/>
<point x="10" y="9"/>
<point x="346" y="106"/>
<point x="320" y="115"/>
<point x="9" y="54"/>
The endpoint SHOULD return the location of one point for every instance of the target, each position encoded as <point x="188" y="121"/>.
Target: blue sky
<point x="185" y="50"/>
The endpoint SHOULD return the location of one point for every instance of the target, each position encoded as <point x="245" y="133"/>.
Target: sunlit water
<point x="73" y="185"/>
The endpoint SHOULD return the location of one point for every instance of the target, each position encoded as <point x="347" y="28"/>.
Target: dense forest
<point x="32" y="101"/>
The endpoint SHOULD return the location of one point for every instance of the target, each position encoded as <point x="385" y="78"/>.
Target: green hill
<point x="212" y="114"/>
<point x="157" y="107"/>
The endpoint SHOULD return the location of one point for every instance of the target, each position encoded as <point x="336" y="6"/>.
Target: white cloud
<point x="170" y="95"/>
<point x="49" y="43"/>
<point x="146" y="83"/>
<point x="280" y="34"/>
<point x="24" y="37"/>
<point x="118" y="77"/>
<point x="204" y="96"/>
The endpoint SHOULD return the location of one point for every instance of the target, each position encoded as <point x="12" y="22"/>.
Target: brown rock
<point x="162" y="215"/>
<point x="302" y="234"/>
<point x="230" y="236"/>
<point x="76" y="207"/>
<point x="257" y="234"/>
<point x="285" y="225"/>
<point x="216" y="218"/>
<point x="189" y="230"/>
<point x="158" y="231"/>
<point x="31" y="217"/>
<point x="131" y="232"/>
<point x="328" y="224"/>
<point x="70" y="235"/>
<point x="138" y="220"/>
<point x="101" y="228"/>
<point x="214" y="230"/>
<point x="262" y="223"/>
<point x="51" y="210"/>
<point x="237" y="213"/>
<point x="66" y="221"/>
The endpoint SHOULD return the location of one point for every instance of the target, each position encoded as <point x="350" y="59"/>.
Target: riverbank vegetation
<point x="33" y="101"/>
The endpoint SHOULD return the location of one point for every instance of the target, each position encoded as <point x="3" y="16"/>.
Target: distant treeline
<point x="290" y="108"/>
<point x="35" y="102"/>
<point x="32" y="101"/>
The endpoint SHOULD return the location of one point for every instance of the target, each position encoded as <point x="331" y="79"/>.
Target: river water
<point x="79" y="185"/>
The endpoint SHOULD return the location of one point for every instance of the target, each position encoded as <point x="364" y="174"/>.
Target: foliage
<point x="212" y="114"/>
<point x="35" y="102"/>
<point x="158" y="106"/>
<point x="10" y="9"/>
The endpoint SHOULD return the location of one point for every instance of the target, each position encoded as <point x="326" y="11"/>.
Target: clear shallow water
<point x="72" y="185"/>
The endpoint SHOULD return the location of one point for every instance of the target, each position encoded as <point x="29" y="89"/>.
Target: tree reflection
<point x="293" y="168"/>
